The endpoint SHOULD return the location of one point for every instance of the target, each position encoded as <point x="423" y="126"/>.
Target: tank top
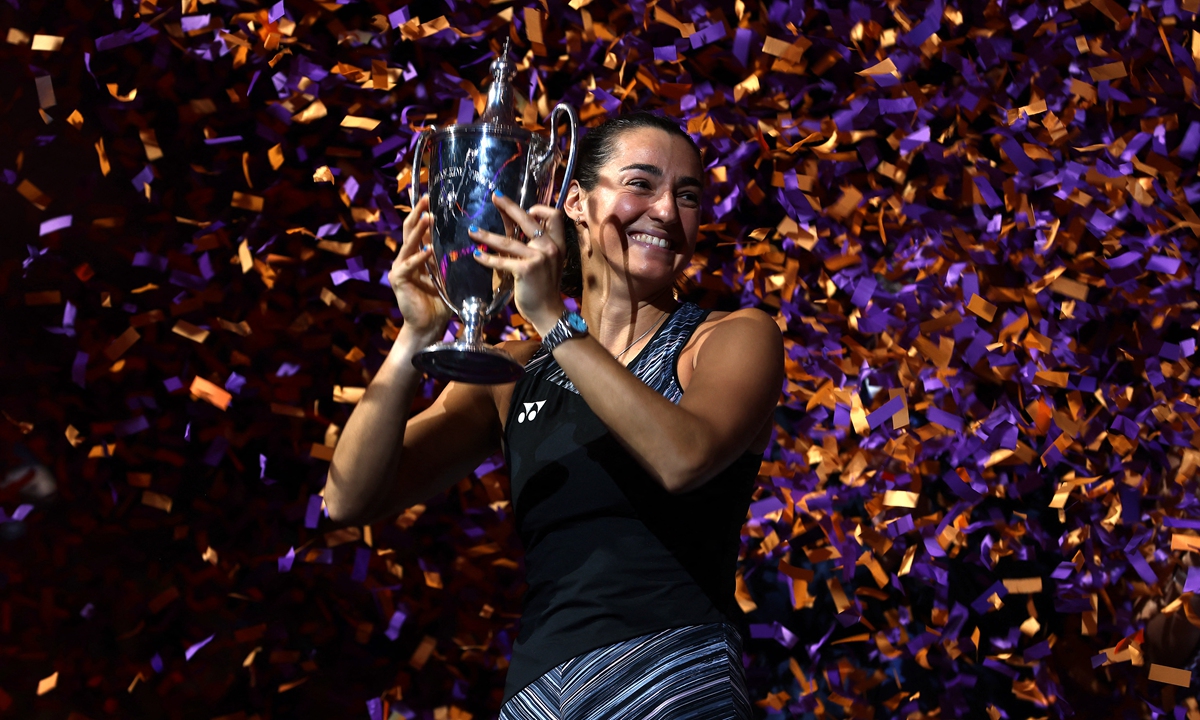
<point x="609" y="554"/>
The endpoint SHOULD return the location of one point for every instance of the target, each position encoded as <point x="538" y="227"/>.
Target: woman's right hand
<point x="425" y="315"/>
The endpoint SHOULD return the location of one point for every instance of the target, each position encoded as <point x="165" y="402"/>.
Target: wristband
<point x="570" y="325"/>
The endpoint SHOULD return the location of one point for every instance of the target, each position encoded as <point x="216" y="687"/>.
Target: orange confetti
<point x="103" y="157"/>
<point x="122" y="343"/>
<point x="1023" y="585"/>
<point x="361" y="123"/>
<point x="47" y="683"/>
<point x="210" y="392"/>
<point x="246" y="201"/>
<point x="982" y="308"/>
<point x="421" y="655"/>
<point x="1170" y="675"/>
<point x="30" y="192"/>
<point x="47" y="43"/>
<point x="1111" y="71"/>
<point x="185" y="329"/>
<point x="156" y="500"/>
<point x="900" y="498"/>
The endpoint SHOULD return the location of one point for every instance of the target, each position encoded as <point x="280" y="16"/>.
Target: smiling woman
<point x="597" y="150"/>
<point x="632" y="441"/>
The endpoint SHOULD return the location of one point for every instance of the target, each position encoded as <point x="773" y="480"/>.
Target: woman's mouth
<point x="650" y="240"/>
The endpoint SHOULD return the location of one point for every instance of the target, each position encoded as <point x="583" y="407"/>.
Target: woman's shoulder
<point x="748" y="333"/>
<point x="753" y="315"/>
<point x="521" y="350"/>
<point x="744" y="323"/>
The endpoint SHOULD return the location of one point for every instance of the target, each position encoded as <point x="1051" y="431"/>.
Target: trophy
<point x="467" y="163"/>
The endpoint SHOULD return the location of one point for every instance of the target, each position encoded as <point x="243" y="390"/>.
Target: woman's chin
<point x="651" y="275"/>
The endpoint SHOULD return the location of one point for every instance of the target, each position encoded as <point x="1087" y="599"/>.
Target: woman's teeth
<point x="650" y="240"/>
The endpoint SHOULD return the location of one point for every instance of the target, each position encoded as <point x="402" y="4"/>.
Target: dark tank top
<point x="610" y="554"/>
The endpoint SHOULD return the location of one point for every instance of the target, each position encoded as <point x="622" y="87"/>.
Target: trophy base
<point x="470" y="363"/>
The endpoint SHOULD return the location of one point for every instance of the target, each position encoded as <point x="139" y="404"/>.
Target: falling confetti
<point x="974" y="224"/>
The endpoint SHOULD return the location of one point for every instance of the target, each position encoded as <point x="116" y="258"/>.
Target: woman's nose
<point x="664" y="208"/>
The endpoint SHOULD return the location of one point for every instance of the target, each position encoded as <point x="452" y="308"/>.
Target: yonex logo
<point x="530" y="411"/>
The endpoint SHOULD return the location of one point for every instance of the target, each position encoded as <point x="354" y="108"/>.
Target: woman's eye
<point x="640" y="184"/>
<point x="690" y="198"/>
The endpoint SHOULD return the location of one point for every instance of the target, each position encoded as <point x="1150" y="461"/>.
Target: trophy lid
<point x="499" y="114"/>
<point x="499" y="109"/>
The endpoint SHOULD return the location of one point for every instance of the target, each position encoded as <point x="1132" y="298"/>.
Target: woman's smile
<point x="649" y="240"/>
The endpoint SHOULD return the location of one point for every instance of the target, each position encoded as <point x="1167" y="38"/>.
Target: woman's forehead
<point x="651" y="146"/>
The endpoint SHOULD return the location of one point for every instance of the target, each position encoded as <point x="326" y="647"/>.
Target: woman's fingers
<point x="500" y="242"/>
<point x="421" y="206"/>
<point x="412" y="264"/>
<point x="416" y="227"/>
<point x="412" y="271"/>
<point x="509" y="225"/>
<point x="519" y="217"/>
<point x="409" y="270"/>
<point x="499" y="262"/>
<point x="415" y="238"/>
<point x="552" y="223"/>
<point x="427" y="287"/>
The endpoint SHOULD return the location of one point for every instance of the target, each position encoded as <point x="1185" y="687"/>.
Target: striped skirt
<point x="689" y="672"/>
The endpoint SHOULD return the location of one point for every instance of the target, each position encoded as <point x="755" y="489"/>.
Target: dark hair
<point x="596" y="149"/>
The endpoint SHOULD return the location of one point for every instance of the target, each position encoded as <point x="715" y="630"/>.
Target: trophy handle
<point x="572" y="122"/>
<point x="414" y="191"/>
<point x="414" y="188"/>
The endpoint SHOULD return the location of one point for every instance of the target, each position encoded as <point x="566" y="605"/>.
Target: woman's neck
<point x="618" y="322"/>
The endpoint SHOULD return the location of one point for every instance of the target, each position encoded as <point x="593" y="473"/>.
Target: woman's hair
<point x="596" y="149"/>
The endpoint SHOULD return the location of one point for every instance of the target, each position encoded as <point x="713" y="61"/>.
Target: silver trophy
<point x="467" y="164"/>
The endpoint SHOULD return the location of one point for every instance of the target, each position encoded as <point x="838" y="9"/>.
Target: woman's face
<point x="643" y="216"/>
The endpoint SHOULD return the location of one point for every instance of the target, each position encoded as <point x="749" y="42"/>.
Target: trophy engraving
<point x="467" y="164"/>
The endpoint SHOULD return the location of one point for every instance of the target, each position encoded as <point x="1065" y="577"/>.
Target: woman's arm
<point x="733" y="390"/>
<point x="385" y="462"/>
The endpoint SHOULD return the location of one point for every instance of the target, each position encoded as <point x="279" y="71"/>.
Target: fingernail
<point x="476" y="252"/>
<point x="473" y="229"/>
<point x="499" y="194"/>
<point x="424" y="214"/>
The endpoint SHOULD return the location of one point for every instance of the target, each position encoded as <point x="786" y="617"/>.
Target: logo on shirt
<point x="530" y="411"/>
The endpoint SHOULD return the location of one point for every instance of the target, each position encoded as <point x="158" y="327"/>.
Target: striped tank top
<point x="609" y="554"/>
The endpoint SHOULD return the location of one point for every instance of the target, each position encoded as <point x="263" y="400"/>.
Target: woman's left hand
<point x="536" y="266"/>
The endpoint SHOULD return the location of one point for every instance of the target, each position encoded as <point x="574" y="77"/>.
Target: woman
<point x="632" y="441"/>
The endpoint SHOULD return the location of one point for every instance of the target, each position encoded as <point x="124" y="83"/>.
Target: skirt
<point x="692" y="673"/>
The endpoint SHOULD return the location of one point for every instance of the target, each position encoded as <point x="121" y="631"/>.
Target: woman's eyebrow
<point x="656" y="171"/>
<point x="645" y="167"/>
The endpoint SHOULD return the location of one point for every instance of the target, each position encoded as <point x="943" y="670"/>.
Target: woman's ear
<point x="574" y="204"/>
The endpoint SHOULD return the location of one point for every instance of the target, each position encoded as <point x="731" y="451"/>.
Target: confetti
<point x="47" y="43"/>
<point x="361" y="123"/>
<point x="45" y="91"/>
<point x="195" y="648"/>
<point x="1170" y="675"/>
<point x="979" y="227"/>
<point x="54" y="225"/>
<point x="47" y="684"/>
<point x="210" y="392"/>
